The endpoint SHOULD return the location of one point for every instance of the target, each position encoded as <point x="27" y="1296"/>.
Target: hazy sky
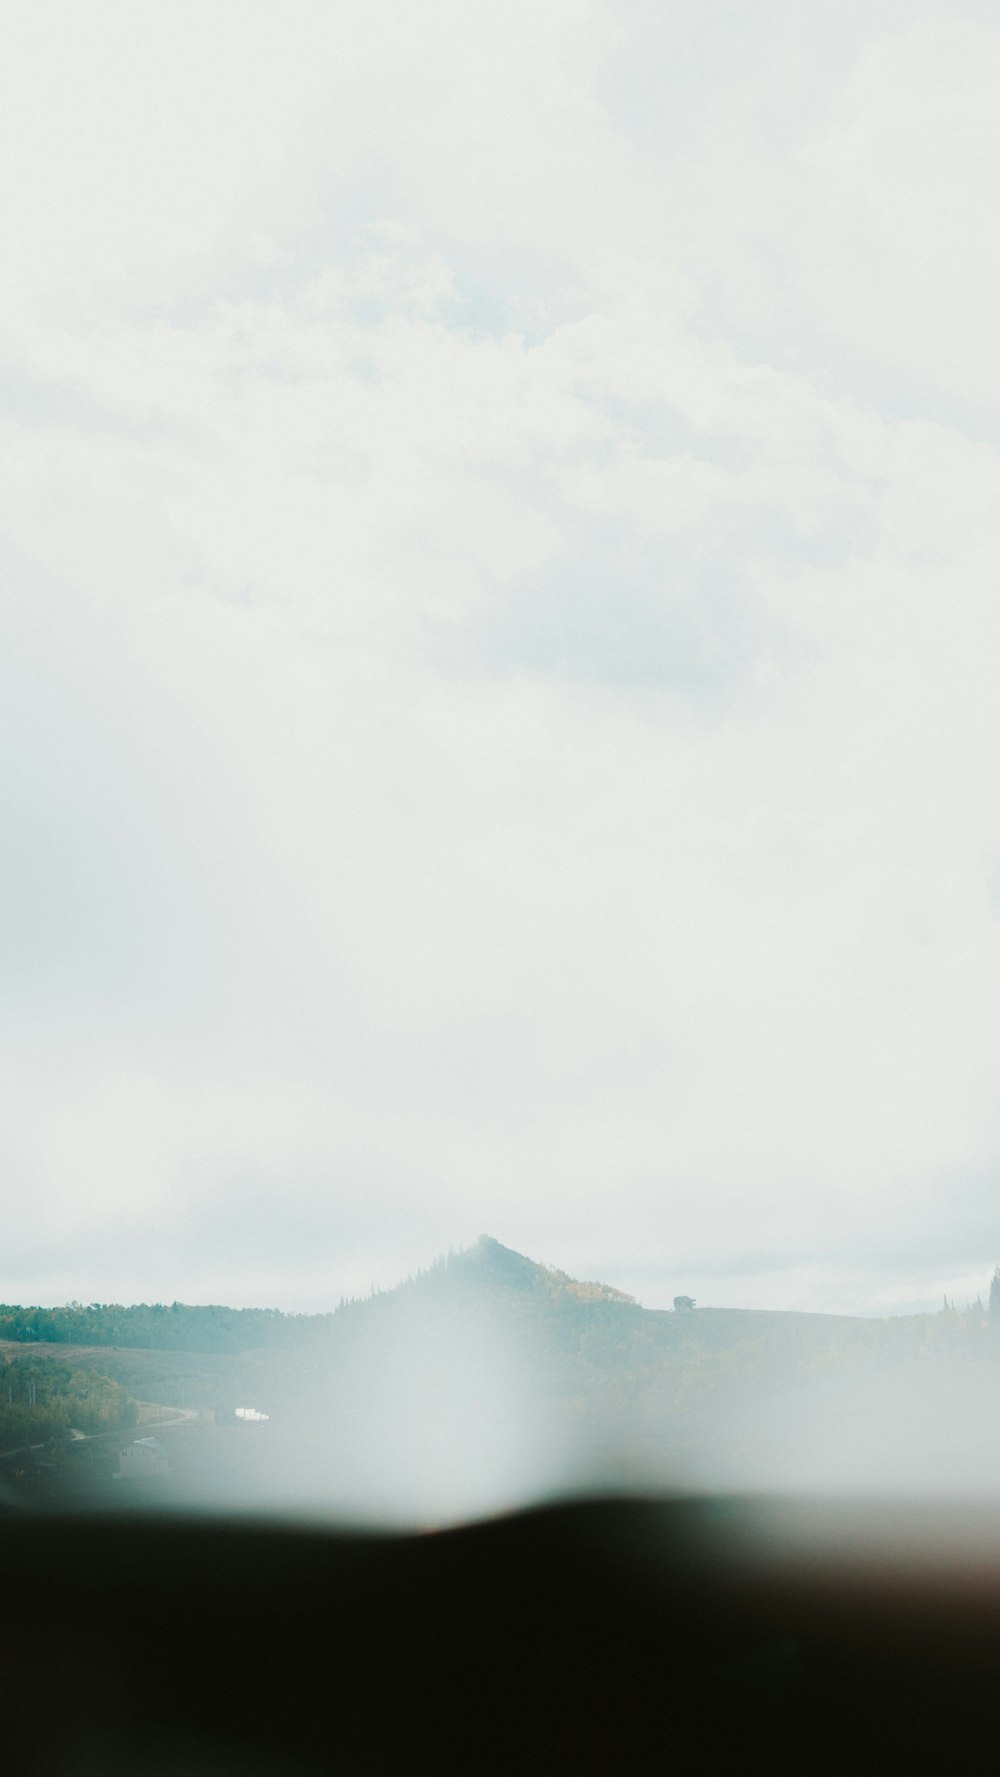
<point x="499" y="690"/>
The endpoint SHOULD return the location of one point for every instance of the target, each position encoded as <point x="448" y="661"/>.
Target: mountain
<point x="490" y="1265"/>
<point x="488" y="1269"/>
<point x="489" y="1379"/>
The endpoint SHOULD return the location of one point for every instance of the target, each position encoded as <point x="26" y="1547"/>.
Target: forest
<point x="42" y="1399"/>
<point x="486" y="1348"/>
<point x="154" y="1326"/>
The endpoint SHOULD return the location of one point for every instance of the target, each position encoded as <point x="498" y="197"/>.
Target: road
<point x="178" y="1416"/>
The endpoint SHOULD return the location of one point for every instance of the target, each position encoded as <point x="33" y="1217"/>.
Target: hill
<point x="493" y="1377"/>
<point x="489" y="1379"/>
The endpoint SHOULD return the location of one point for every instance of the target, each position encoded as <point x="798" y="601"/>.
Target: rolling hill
<point x="489" y="1379"/>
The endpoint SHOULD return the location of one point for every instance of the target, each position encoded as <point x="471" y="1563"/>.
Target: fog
<point x="498" y="538"/>
<point x="499" y="647"/>
<point x="472" y="1439"/>
<point x="490" y="1383"/>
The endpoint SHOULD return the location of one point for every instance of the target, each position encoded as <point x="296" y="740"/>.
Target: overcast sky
<point x="499" y="515"/>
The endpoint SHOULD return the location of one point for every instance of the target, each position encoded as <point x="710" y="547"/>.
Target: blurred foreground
<point x="589" y="1637"/>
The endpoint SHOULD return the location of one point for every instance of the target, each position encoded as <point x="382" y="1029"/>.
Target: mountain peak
<point x="497" y="1264"/>
<point x="489" y="1262"/>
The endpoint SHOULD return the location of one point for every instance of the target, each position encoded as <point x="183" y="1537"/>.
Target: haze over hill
<point x="489" y="1379"/>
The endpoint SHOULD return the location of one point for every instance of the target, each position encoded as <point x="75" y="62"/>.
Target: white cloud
<point x="696" y="953"/>
<point x="898" y="252"/>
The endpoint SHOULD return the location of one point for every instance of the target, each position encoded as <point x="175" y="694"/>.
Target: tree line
<point x="177" y="1327"/>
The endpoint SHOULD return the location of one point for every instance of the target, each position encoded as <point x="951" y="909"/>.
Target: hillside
<point x="489" y="1375"/>
<point x="489" y="1378"/>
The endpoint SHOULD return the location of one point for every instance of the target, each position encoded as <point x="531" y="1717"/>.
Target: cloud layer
<point x="498" y="533"/>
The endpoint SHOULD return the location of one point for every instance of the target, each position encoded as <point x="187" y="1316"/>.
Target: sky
<point x="499" y="512"/>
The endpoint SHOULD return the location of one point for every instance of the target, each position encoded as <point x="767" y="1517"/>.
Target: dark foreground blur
<point x="597" y="1636"/>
